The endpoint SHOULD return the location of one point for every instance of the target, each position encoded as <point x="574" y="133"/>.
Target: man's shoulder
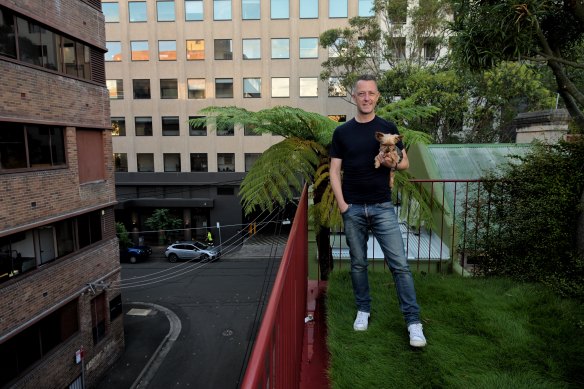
<point x="385" y="123"/>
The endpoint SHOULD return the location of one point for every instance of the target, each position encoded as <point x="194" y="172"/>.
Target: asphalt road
<point x="219" y="308"/>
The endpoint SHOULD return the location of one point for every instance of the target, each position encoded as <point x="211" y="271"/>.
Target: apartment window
<point x="197" y="129"/>
<point x="114" y="51"/>
<point x="171" y="162"/>
<point x="141" y="89"/>
<point x="338" y="118"/>
<point x="169" y="88"/>
<point x="308" y="87"/>
<point x="366" y="8"/>
<point x="199" y="162"/>
<point x="225" y="162"/>
<point x="140" y="50"/>
<point x="338" y="8"/>
<point x="165" y="11"/>
<point x="221" y="9"/>
<point x="89" y="228"/>
<point x="335" y="89"/>
<point x="25" y="146"/>
<point x="338" y="48"/>
<point x="250" y="9"/>
<point x="194" y="10"/>
<point x="308" y="9"/>
<point x="252" y="87"/>
<point x="143" y="125"/>
<point x="280" y="87"/>
<point x="170" y="126"/>
<point x="248" y="130"/>
<point x="115" y="89"/>
<point x="430" y="49"/>
<point x="223" y="88"/>
<point x="251" y="49"/>
<point x="121" y="162"/>
<point x="399" y="48"/>
<point x="145" y="162"/>
<point x="195" y="49"/>
<point x="115" y="307"/>
<point x="280" y="48"/>
<point x="279" y="9"/>
<point x="118" y="126"/>
<point x="196" y="88"/>
<point x="137" y="11"/>
<point x="226" y="130"/>
<point x="250" y="159"/>
<point x="98" y="318"/>
<point x="8" y="35"/>
<point x="167" y="50"/>
<point x="223" y="49"/>
<point x="111" y="12"/>
<point x="308" y="47"/>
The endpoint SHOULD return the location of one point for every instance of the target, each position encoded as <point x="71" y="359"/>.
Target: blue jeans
<point x="382" y="221"/>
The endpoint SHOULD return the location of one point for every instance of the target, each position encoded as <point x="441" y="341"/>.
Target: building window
<point x="199" y="162"/>
<point x="171" y="162"/>
<point x="308" y="9"/>
<point x="250" y="9"/>
<point x="248" y="130"/>
<point x="280" y="87"/>
<point x="279" y="9"/>
<point x="143" y="125"/>
<point x="280" y="48"/>
<point x="167" y="50"/>
<point x="115" y="89"/>
<point x="121" y="162"/>
<point x="170" y="126"/>
<point x="399" y="48"/>
<point x="169" y="88"/>
<point x="338" y="118"/>
<point x="221" y="9"/>
<point x="308" y="87"/>
<point x="335" y="88"/>
<point x="225" y="162"/>
<point x="223" y="88"/>
<point x="252" y="49"/>
<point x="199" y="129"/>
<point x="165" y="11"/>
<point x="137" y="11"/>
<point x="111" y="12"/>
<point x="145" y="162"/>
<point x="252" y="87"/>
<point x="118" y="126"/>
<point x="140" y="50"/>
<point x="195" y="49"/>
<point x="338" y="48"/>
<point x="366" y="8"/>
<point x="250" y="159"/>
<point x="194" y="10"/>
<point x="8" y="35"/>
<point x="226" y="130"/>
<point x="308" y="47"/>
<point x="141" y="89"/>
<point x="223" y="49"/>
<point x="89" y="228"/>
<point x="114" y="51"/>
<point x="196" y="88"/>
<point x="25" y="146"/>
<point x="430" y="49"/>
<point x="90" y="158"/>
<point x="115" y="307"/>
<point x="338" y="8"/>
<point x="98" y="318"/>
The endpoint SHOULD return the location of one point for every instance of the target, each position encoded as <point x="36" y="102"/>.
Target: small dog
<point x="388" y="148"/>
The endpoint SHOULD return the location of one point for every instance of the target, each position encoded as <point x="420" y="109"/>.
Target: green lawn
<point x="481" y="334"/>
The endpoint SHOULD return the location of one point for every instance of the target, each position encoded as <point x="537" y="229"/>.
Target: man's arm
<point x="335" y="177"/>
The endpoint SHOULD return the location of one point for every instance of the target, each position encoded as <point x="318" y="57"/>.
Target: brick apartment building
<point x="59" y="260"/>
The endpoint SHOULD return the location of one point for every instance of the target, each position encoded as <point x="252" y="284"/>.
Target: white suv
<point x="191" y="251"/>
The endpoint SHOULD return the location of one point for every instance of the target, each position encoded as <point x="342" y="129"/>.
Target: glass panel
<point x="308" y="9"/>
<point x="279" y="9"/>
<point x="29" y="42"/>
<point x="198" y="162"/>
<point x="252" y="87"/>
<point x="195" y="49"/>
<point x="251" y="49"/>
<point x="280" y="48"/>
<point x="229" y="130"/>
<point x="170" y="126"/>
<point x="111" y="11"/>
<point x="116" y="89"/>
<point x="114" y="51"/>
<point x="338" y="8"/>
<point x="308" y="47"/>
<point x="224" y="87"/>
<point x="118" y="126"/>
<point x="200" y="130"/>
<point x="248" y="130"/>
<point x="222" y="9"/>
<point x="172" y="162"/>
<point x="12" y="146"/>
<point x="366" y="8"/>
<point x="280" y="87"/>
<point x="143" y="125"/>
<point x="169" y="89"/>
<point x="250" y="9"/>
<point x="145" y="162"/>
<point x="167" y="50"/>
<point x="250" y="159"/>
<point x="165" y="11"/>
<point x="50" y="50"/>
<point x="45" y="146"/>
<point x="138" y="12"/>
<point x="335" y="89"/>
<point x="196" y="88"/>
<point x="193" y="10"/>
<point x="140" y="51"/>
<point x="121" y="162"/>
<point x="223" y="49"/>
<point x="308" y="87"/>
<point x="141" y="89"/>
<point x="7" y="34"/>
<point x="225" y="162"/>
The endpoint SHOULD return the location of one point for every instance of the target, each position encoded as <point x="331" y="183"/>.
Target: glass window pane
<point x="118" y="126"/>
<point x="140" y="50"/>
<point x="226" y="130"/>
<point x="335" y="89"/>
<point x="12" y="147"/>
<point x="169" y="88"/>
<point x="225" y="162"/>
<point x="195" y="49"/>
<point x="224" y="87"/>
<point x="145" y="162"/>
<point x="141" y="89"/>
<point x="222" y="9"/>
<point x="196" y="88"/>
<point x="172" y="162"/>
<point x="366" y="8"/>
<point x="29" y="42"/>
<point x="167" y="50"/>
<point x="279" y="9"/>
<point x="308" y="86"/>
<point x="50" y="42"/>
<point x="338" y="8"/>
<point x="111" y="11"/>
<point x="170" y="126"/>
<point x="308" y="9"/>
<point x="165" y="11"/>
<point x="121" y="162"/>
<point x="251" y="49"/>
<point x="143" y="125"/>
<point x="250" y="159"/>
<point x="7" y="34"/>
<point x="69" y="57"/>
<point x="281" y="87"/>
<point x="193" y="10"/>
<point x="199" y="130"/>
<point x="280" y="48"/>
<point x="199" y="162"/>
<point x="252" y="87"/>
<point x="115" y="88"/>
<point x="114" y="51"/>
<point x="137" y="11"/>
<point x="223" y="49"/>
<point x="308" y="47"/>
<point x="250" y="9"/>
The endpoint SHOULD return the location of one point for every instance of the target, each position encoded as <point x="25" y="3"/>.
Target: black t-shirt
<point x="355" y="144"/>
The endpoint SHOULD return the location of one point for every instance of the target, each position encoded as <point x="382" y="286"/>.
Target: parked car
<point x="191" y="251"/>
<point x="135" y="254"/>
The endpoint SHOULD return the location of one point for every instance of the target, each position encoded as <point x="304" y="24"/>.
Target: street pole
<point x="219" y="229"/>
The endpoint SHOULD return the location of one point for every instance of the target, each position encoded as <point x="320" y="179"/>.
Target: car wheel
<point x="133" y="259"/>
<point x="204" y="258"/>
<point x="172" y="258"/>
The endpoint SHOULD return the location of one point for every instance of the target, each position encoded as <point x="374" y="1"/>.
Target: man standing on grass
<point x="364" y="199"/>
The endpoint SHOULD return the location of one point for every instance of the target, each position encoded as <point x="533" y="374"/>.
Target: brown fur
<point x="388" y="148"/>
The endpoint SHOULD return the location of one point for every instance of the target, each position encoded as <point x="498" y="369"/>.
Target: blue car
<point x="135" y="254"/>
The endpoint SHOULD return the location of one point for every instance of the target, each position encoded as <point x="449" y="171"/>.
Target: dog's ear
<point x="379" y="135"/>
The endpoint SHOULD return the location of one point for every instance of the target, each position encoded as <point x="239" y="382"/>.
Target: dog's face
<point x="387" y="139"/>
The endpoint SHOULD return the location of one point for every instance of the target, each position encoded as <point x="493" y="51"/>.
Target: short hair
<point x="364" y="77"/>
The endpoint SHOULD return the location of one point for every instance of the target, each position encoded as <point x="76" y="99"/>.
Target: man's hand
<point x="387" y="160"/>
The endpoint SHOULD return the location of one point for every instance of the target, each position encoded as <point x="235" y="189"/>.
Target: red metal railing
<point x="276" y="356"/>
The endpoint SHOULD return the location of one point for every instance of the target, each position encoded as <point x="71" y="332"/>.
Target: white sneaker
<point x="417" y="338"/>
<point x="362" y="321"/>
